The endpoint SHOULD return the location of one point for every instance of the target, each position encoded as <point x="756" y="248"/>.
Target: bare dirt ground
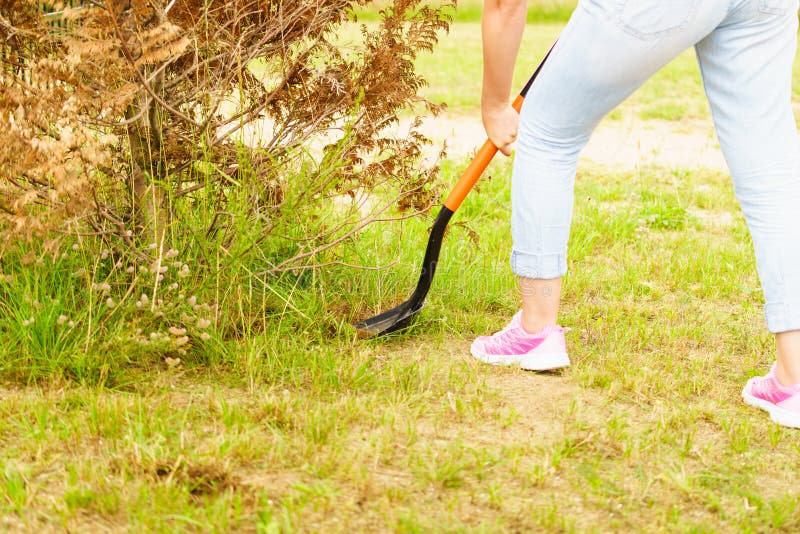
<point x="542" y="400"/>
<point x="623" y="144"/>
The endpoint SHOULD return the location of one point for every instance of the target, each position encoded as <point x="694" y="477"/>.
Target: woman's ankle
<point x="540" y="303"/>
<point x="786" y="377"/>
<point x="787" y="370"/>
<point x="533" y="322"/>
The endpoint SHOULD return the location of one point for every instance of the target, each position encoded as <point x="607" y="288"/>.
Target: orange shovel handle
<point x="479" y="163"/>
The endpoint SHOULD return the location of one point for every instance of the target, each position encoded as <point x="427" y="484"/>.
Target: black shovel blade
<point x="402" y="316"/>
<point x="390" y="321"/>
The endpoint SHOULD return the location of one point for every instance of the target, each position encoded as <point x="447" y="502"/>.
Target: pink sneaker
<point x="542" y="351"/>
<point x="782" y="402"/>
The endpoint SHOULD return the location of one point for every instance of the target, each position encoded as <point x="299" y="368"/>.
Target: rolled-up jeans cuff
<point x="783" y="316"/>
<point x="539" y="266"/>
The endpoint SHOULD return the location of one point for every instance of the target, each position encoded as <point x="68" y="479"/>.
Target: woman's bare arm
<point x="502" y="28"/>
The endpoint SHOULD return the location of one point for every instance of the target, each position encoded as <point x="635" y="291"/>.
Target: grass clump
<point x="662" y="213"/>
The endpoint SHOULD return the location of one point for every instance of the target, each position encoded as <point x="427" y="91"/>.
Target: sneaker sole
<point x="776" y="413"/>
<point x="544" y="362"/>
<point x="528" y="362"/>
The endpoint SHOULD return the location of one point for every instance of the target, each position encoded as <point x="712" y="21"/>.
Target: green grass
<point x="276" y="418"/>
<point x="296" y="425"/>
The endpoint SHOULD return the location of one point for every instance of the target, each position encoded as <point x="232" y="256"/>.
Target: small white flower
<point x="110" y="302"/>
<point x="192" y="301"/>
<point x="171" y="253"/>
<point x="205" y="336"/>
<point x="62" y="319"/>
<point x="104" y="254"/>
<point x="102" y="287"/>
<point x="203" y="323"/>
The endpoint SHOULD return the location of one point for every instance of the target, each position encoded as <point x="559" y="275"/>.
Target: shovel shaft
<point x="487" y="152"/>
<point x="479" y="163"/>
<point x="400" y="317"/>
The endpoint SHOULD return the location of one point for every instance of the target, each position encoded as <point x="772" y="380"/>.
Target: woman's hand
<point x="501" y="126"/>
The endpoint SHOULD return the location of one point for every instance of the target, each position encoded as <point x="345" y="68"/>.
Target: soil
<point x="624" y="144"/>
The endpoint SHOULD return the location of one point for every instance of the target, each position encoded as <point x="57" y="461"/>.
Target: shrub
<point x="120" y="115"/>
<point x="166" y="166"/>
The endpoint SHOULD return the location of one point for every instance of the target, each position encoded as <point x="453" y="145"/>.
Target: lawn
<point x="294" y="424"/>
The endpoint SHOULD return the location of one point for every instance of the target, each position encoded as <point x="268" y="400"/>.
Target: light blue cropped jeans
<point x="746" y="50"/>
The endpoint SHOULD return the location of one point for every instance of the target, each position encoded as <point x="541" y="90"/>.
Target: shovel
<point x="400" y="317"/>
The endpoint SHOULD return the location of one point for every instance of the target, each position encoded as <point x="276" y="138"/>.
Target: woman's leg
<point x="608" y="49"/>
<point x="747" y="69"/>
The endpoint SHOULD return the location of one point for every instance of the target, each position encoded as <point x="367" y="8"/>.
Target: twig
<point x="283" y="265"/>
<point x="127" y="53"/>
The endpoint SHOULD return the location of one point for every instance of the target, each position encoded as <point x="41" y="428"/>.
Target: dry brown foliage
<point x="113" y="113"/>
